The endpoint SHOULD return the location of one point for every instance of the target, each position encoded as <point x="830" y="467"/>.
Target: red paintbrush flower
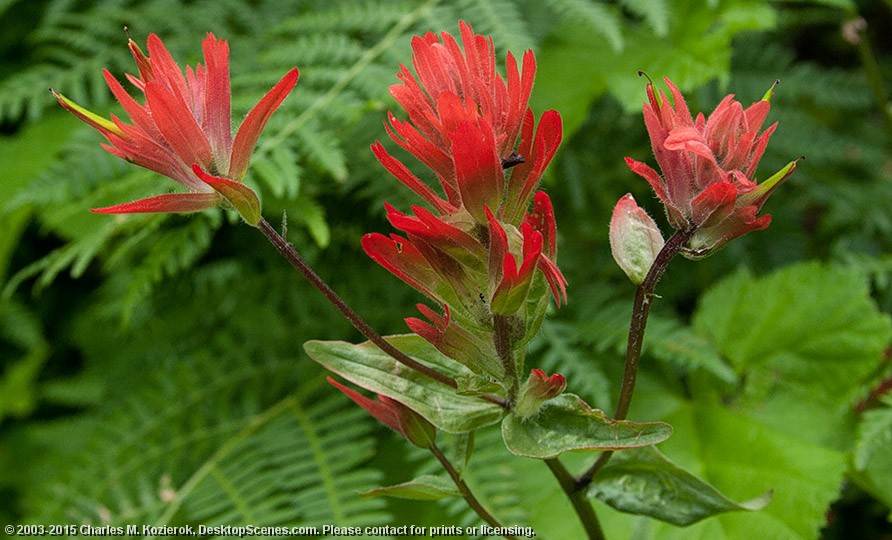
<point x="464" y="122"/>
<point x="708" y="167"/>
<point x="183" y="129"/>
<point x="477" y="250"/>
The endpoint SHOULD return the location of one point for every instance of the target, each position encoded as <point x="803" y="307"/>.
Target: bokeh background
<point x="151" y="369"/>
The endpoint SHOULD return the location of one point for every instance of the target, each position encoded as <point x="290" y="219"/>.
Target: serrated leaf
<point x="874" y="433"/>
<point x="424" y="488"/>
<point x="367" y="366"/>
<point x="808" y="338"/>
<point x="644" y="481"/>
<point x="567" y="423"/>
<point x="873" y="459"/>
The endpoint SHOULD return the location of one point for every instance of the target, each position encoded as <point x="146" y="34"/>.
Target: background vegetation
<point x="151" y="369"/>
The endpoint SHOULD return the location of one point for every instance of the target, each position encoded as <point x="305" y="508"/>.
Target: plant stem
<point x="872" y="73"/>
<point x="466" y="491"/>
<point x="640" y="311"/>
<point x="502" y="341"/>
<point x="292" y="256"/>
<point x="581" y="505"/>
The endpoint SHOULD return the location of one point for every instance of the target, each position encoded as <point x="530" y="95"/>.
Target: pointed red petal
<point x="478" y="169"/>
<point x="171" y="202"/>
<point x="387" y="415"/>
<point x="164" y="69"/>
<point x="404" y="175"/>
<point x="249" y="130"/>
<point x="176" y="122"/>
<point x="713" y="204"/>
<point x="217" y="121"/>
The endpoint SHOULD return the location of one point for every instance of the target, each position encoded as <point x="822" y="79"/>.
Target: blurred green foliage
<point x="151" y="368"/>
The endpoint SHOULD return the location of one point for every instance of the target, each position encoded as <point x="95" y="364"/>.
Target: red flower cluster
<point x="708" y="167"/>
<point x="183" y="130"/>
<point x="477" y="251"/>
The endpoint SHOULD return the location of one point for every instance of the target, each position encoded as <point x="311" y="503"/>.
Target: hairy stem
<point x="581" y="505"/>
<point x="466" y="491"/>
<point x="292" y="256"/>
<point x="640" y="311"/>
<point x="502" y="341"/>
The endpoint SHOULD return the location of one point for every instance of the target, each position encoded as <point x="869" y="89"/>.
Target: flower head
<point x="464" y="120"/>
<point x="183" y="129"/>
<point x="478" y="251"/>
<point x="708" y="167"/>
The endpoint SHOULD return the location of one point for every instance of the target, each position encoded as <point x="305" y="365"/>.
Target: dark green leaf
<point x="366" y="366"/>
<point x="567" y="423"/>
<point x="424" y="488"/>
<point x="644" y="481"/>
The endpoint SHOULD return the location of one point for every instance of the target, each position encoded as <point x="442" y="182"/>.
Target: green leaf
<point x="576" y="66"/>
<point x="872" y="459"/>
<point x="424" y="488"/>
<point x="644" y="481"/>
<point x="367" y="366"/>
<point x="471" y="384"/>
<point x="567" y="423"/>
<point x="742" y="458"/>
<point x="808" y="338"/>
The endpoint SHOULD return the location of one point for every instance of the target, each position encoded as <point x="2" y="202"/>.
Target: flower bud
<point x="538" y="389"/>
<point x="635" y="239"/>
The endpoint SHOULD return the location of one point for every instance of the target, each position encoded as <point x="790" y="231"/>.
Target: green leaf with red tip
<point x="644" y="481"/>
<point x="424" y="488"/>
<point x="567" y="423"/>
<point x="240" y="196"/>
<point x="170" y="202"/>
<point x="367" y="366"/>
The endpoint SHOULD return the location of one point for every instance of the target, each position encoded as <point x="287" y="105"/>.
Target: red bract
<point x="183" y="130"/>
<point x="708" y="167"/>
<point x="513" y="282"/>
<point x="394" y="415"/>
<point x="464" y="121"/>
<point x="457" y="343"/>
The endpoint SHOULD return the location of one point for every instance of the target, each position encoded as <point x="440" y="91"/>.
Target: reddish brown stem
<point x="640" y="311"/>
<point x="293" y="257"/>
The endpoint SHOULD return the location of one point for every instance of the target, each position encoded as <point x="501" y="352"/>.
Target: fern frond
<point x="219" y="443"/>
<point x="598" y="18"/>
<point x="655" y="12"/>
<point x="500" y="18"/>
